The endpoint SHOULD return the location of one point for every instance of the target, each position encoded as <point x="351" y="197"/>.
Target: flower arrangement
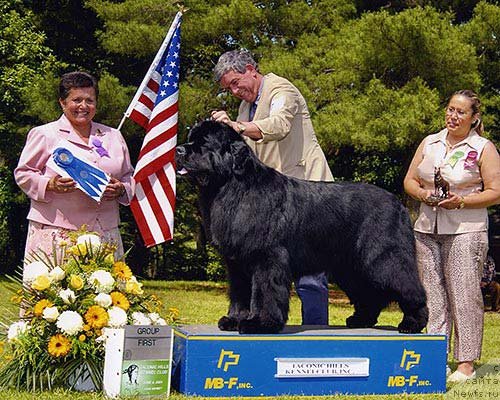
<point x="67" y="301"/>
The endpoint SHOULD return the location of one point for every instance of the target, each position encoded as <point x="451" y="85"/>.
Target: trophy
<point x="441" y="189"/>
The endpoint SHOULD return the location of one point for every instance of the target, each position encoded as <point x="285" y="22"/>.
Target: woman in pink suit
<point x="57" y="205"/>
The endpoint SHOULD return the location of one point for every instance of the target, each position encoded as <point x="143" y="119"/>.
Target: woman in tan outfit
<point x="451" y="236"/>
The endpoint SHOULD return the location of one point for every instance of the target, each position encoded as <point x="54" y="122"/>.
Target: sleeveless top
<point x="460" y="167"/>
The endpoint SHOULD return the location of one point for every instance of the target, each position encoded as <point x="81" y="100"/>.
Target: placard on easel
<point x="138" y="361"/>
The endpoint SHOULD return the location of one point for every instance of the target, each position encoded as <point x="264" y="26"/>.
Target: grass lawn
<point x="205" y="302"/>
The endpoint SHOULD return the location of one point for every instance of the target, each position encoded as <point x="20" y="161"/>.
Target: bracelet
<point x="462" y="203"/>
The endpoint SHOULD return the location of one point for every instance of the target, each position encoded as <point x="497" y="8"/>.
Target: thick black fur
<point x="270" y="229"/>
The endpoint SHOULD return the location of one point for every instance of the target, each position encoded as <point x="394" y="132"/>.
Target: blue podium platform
<point x="306" y="360"/>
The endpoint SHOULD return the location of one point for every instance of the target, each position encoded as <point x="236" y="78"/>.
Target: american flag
<point x="155" y="107"/>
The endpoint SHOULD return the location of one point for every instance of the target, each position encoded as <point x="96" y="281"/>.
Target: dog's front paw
<point x="355" y="321"/>
<point x="250" y="325"/>
<point x="228" y="324"/>
<point x="255" y="325"/>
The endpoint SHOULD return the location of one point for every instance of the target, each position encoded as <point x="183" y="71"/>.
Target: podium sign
<point x="138" y="361"/>
<point x="308" y="361"/>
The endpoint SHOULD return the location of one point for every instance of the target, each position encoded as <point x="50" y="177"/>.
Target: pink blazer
<point x="73" y="209"/>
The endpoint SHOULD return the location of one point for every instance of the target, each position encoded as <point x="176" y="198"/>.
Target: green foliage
<point x="69" y="28"/>
<point x="23" y="59"/>
<point x="22" y="56"/>
<point x="380" y="119"/>
<point x="145" y="21"/>
<point x="215" y="270"/>
<point x="483" y="32"/>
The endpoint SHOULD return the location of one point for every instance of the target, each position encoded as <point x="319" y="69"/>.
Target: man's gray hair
<point x="234" y="60"/>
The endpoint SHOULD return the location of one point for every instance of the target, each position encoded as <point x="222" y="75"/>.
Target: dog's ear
<point x="242" y="158"/>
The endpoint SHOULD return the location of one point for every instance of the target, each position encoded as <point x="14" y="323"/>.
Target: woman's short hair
<point x="234" y="60"/>
<point x="76" y="79"/>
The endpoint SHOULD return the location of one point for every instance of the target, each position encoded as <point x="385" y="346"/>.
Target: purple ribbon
<point x="471" y="160"/>
<point x="98" y="147"/>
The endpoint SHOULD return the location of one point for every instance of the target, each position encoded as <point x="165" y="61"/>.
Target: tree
<point x="23" y="58"/>
<point x="69" y="27"/>
<point x="460" y="8"/>
<point x="483" y="32"/>
<point x="376" y="76"/>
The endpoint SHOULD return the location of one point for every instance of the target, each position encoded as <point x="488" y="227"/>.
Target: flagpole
<point x="152" y="67"/>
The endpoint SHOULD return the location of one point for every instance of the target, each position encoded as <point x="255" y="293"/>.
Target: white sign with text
<point x="322" y="367"/>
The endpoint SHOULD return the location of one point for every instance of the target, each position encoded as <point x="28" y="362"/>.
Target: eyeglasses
<point x="460" y="113"/>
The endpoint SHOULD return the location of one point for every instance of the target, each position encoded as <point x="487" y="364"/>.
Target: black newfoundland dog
<point x="270" y="229"/>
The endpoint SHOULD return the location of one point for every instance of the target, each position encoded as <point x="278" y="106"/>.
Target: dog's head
<point x="213" y="154"/>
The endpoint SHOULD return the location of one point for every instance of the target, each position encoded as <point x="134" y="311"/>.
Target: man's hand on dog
<point x="221" y="116"/>
<point x="243" y="128"/>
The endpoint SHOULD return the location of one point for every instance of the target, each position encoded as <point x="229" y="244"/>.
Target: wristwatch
<point x="241" y="128"/>
<point x="462" y="203"/>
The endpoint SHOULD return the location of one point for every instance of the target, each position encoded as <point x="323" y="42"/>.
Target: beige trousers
<point x="450" y="267"/>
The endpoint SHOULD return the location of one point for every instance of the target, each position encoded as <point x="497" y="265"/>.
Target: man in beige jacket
<point x="274" y="120"/>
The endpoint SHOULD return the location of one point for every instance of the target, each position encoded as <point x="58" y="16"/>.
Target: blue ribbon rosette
<point x="90" y="179"/>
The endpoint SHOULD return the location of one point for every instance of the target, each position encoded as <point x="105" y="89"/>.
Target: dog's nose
<point x="180" y="153"/>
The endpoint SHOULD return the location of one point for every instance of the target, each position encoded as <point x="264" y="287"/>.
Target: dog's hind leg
<point x="412" y="302"/>
<point x="239" y="298"/>
<point x="407" y="290"/>
<point x="366" y="312"/>
<point x="271" y="284"/>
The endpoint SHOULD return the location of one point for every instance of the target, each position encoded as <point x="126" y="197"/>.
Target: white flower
<point x="50" y="313"/>
<point x="16" y="329"/>
<point x="117" y="317"/>
<point x="161" y="321"/>
<point x="70" y="322"/>
<point x="139" y="318"/>
<point x="67" y="296"/>
<point x="34" y="270"/>
<point x="101" y="338"/>
<point x="103" y="300"/>
<point x="57" y="274"/>
<point x="102" y="281"/>
<point x="90" y="239"/>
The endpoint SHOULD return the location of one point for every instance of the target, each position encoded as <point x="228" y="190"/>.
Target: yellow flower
<point x="82" y="338"/>
<point x="174" y="312"/>
<point x="110" y="258"/>
<point x="40" y="306"/>
<point x="134" y="287"/>
<point x="78" y="249"/>
<point x="120" y="300"/>
<point x="122" y="270"/>
<point x="96" y="317"/>
<point x="59" y="345"/>
<point x="41" y="283"/>
<point x="16" y="299"/>
<point x="76" y="282"/>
